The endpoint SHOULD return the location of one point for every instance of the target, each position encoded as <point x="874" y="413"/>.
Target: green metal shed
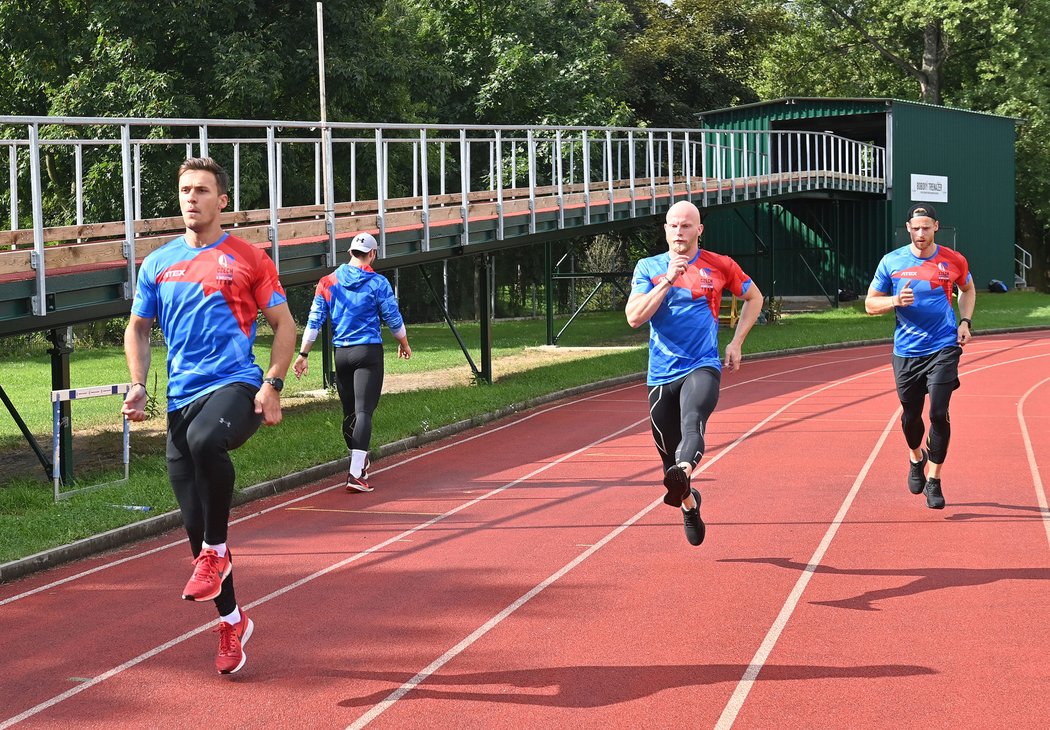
<point x="960" y="161"/>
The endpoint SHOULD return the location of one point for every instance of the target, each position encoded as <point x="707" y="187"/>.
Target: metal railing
<point x="1022" y="264"/>
<point x="295" y="170"/>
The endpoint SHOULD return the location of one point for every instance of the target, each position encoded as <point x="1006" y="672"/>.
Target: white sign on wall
<point x="929" y="188"/>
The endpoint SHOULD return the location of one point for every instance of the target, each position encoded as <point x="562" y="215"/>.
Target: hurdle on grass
<point x="57" y="397"/>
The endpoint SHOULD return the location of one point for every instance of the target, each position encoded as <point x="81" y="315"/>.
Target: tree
<point x="985" y="55"/>
<point x="692" y="56"/>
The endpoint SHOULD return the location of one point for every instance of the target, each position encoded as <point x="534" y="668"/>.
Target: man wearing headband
<point x="916" y="281"/>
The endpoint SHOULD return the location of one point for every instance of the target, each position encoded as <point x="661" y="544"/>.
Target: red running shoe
<point x="232" y="638"/>
<point x="356" y="484"/>
<point x="209" y="571"/>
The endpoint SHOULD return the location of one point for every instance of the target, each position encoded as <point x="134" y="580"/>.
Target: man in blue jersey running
<point x="358" y="300"/>
<point x="679" y="293"/>
<point x="916" y="281"/>
<point x="205" y="289"/>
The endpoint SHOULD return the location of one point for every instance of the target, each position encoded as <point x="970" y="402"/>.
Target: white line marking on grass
<point x="1033" y="465"/>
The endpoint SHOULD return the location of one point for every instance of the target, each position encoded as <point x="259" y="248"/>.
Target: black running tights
<point x="678" y="413"/>
<point x="359" y="382"/>
<point x="940" y="424"/>
<point x="200" y="435"/>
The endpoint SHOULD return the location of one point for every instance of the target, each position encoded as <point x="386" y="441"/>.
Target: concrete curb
<point x="152" y="526"/>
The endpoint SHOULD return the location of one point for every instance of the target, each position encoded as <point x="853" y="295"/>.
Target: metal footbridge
<point x="301" y="190"/>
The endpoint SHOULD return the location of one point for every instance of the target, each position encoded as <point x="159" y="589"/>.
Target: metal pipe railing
<point x="710" y="166"/>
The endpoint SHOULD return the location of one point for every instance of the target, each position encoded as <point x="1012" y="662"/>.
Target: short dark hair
<point x="209" y="165"/>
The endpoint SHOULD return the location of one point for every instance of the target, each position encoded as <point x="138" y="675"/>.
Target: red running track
<point x="528" y="575"/>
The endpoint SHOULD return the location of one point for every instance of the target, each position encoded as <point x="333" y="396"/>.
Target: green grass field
<point x="30" y="521"/>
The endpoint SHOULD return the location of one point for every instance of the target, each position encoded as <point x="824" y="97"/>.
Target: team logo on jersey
<point x="172" y="274"/>
<point x="705" y="281"/>
<point x="224" y="268"/>
<point x="943" y="272"/>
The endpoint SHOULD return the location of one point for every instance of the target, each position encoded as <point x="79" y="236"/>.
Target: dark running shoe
<point x="934" y="497"/>
<point x="677" y="483"/>
<point x="917" y="474"/>
<point x="364" y="469"/>
<point x="356" y="484"/>
<point x="694" y="526"/>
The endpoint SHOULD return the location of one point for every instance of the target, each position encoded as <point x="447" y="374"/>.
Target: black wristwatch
<point x="276" y="383"/>
<point x="967" y="321"/>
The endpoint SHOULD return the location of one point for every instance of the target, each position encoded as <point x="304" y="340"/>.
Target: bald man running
<point x="679" y="294"/>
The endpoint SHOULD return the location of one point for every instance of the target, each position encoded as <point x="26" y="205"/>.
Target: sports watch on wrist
<point x="967" y="321"/>
<point x="276" y="383"/>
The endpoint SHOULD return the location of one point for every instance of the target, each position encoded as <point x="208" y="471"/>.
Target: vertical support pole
<point x="37" y="257"/>
<point x="60" y="380"/>
<point x="380" y="188"/>
<point x="236" y="176"/>
<point x="78" y="163"/>
<point x="129" y="210"/>
<point x="558" y="174"/>
<point x="464" y="184"/>
<point x="271" y="169"/>
<point x="631" y="171"/>
<point x="548" y="284"/>
<point x="424" y="188"/>
<point x="531" y="138"/>
<point x="586" y="154"/>
<point x="499" y="185"/>
<point x="12" y="174"/>
<point x="485" y="295"/>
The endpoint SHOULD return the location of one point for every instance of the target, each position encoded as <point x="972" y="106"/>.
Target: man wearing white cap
<point x="358" y="300"/>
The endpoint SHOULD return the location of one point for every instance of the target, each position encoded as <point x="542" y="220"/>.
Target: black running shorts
<point x="914" y="375"/>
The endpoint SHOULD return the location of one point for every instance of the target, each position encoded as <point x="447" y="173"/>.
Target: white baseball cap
<point x="364" y="242"/>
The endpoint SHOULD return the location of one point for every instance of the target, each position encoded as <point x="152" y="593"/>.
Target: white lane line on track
<point x="401" y="537"/>
<point x="407" y="460"/>
<point x="147" y="655"/>
<point x="303" y="581"/>
<point x="1040" y="492"/>
<point x="736" y="701"/>
<point x="285" y="503"/>
<point x="393" y="697"/>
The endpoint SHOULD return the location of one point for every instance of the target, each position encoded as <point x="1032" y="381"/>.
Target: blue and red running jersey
<point x="206" y="301"/>
<point x="356" y="299"/>
<point x="928" y="324"/>
<point x="683" y="333"/>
